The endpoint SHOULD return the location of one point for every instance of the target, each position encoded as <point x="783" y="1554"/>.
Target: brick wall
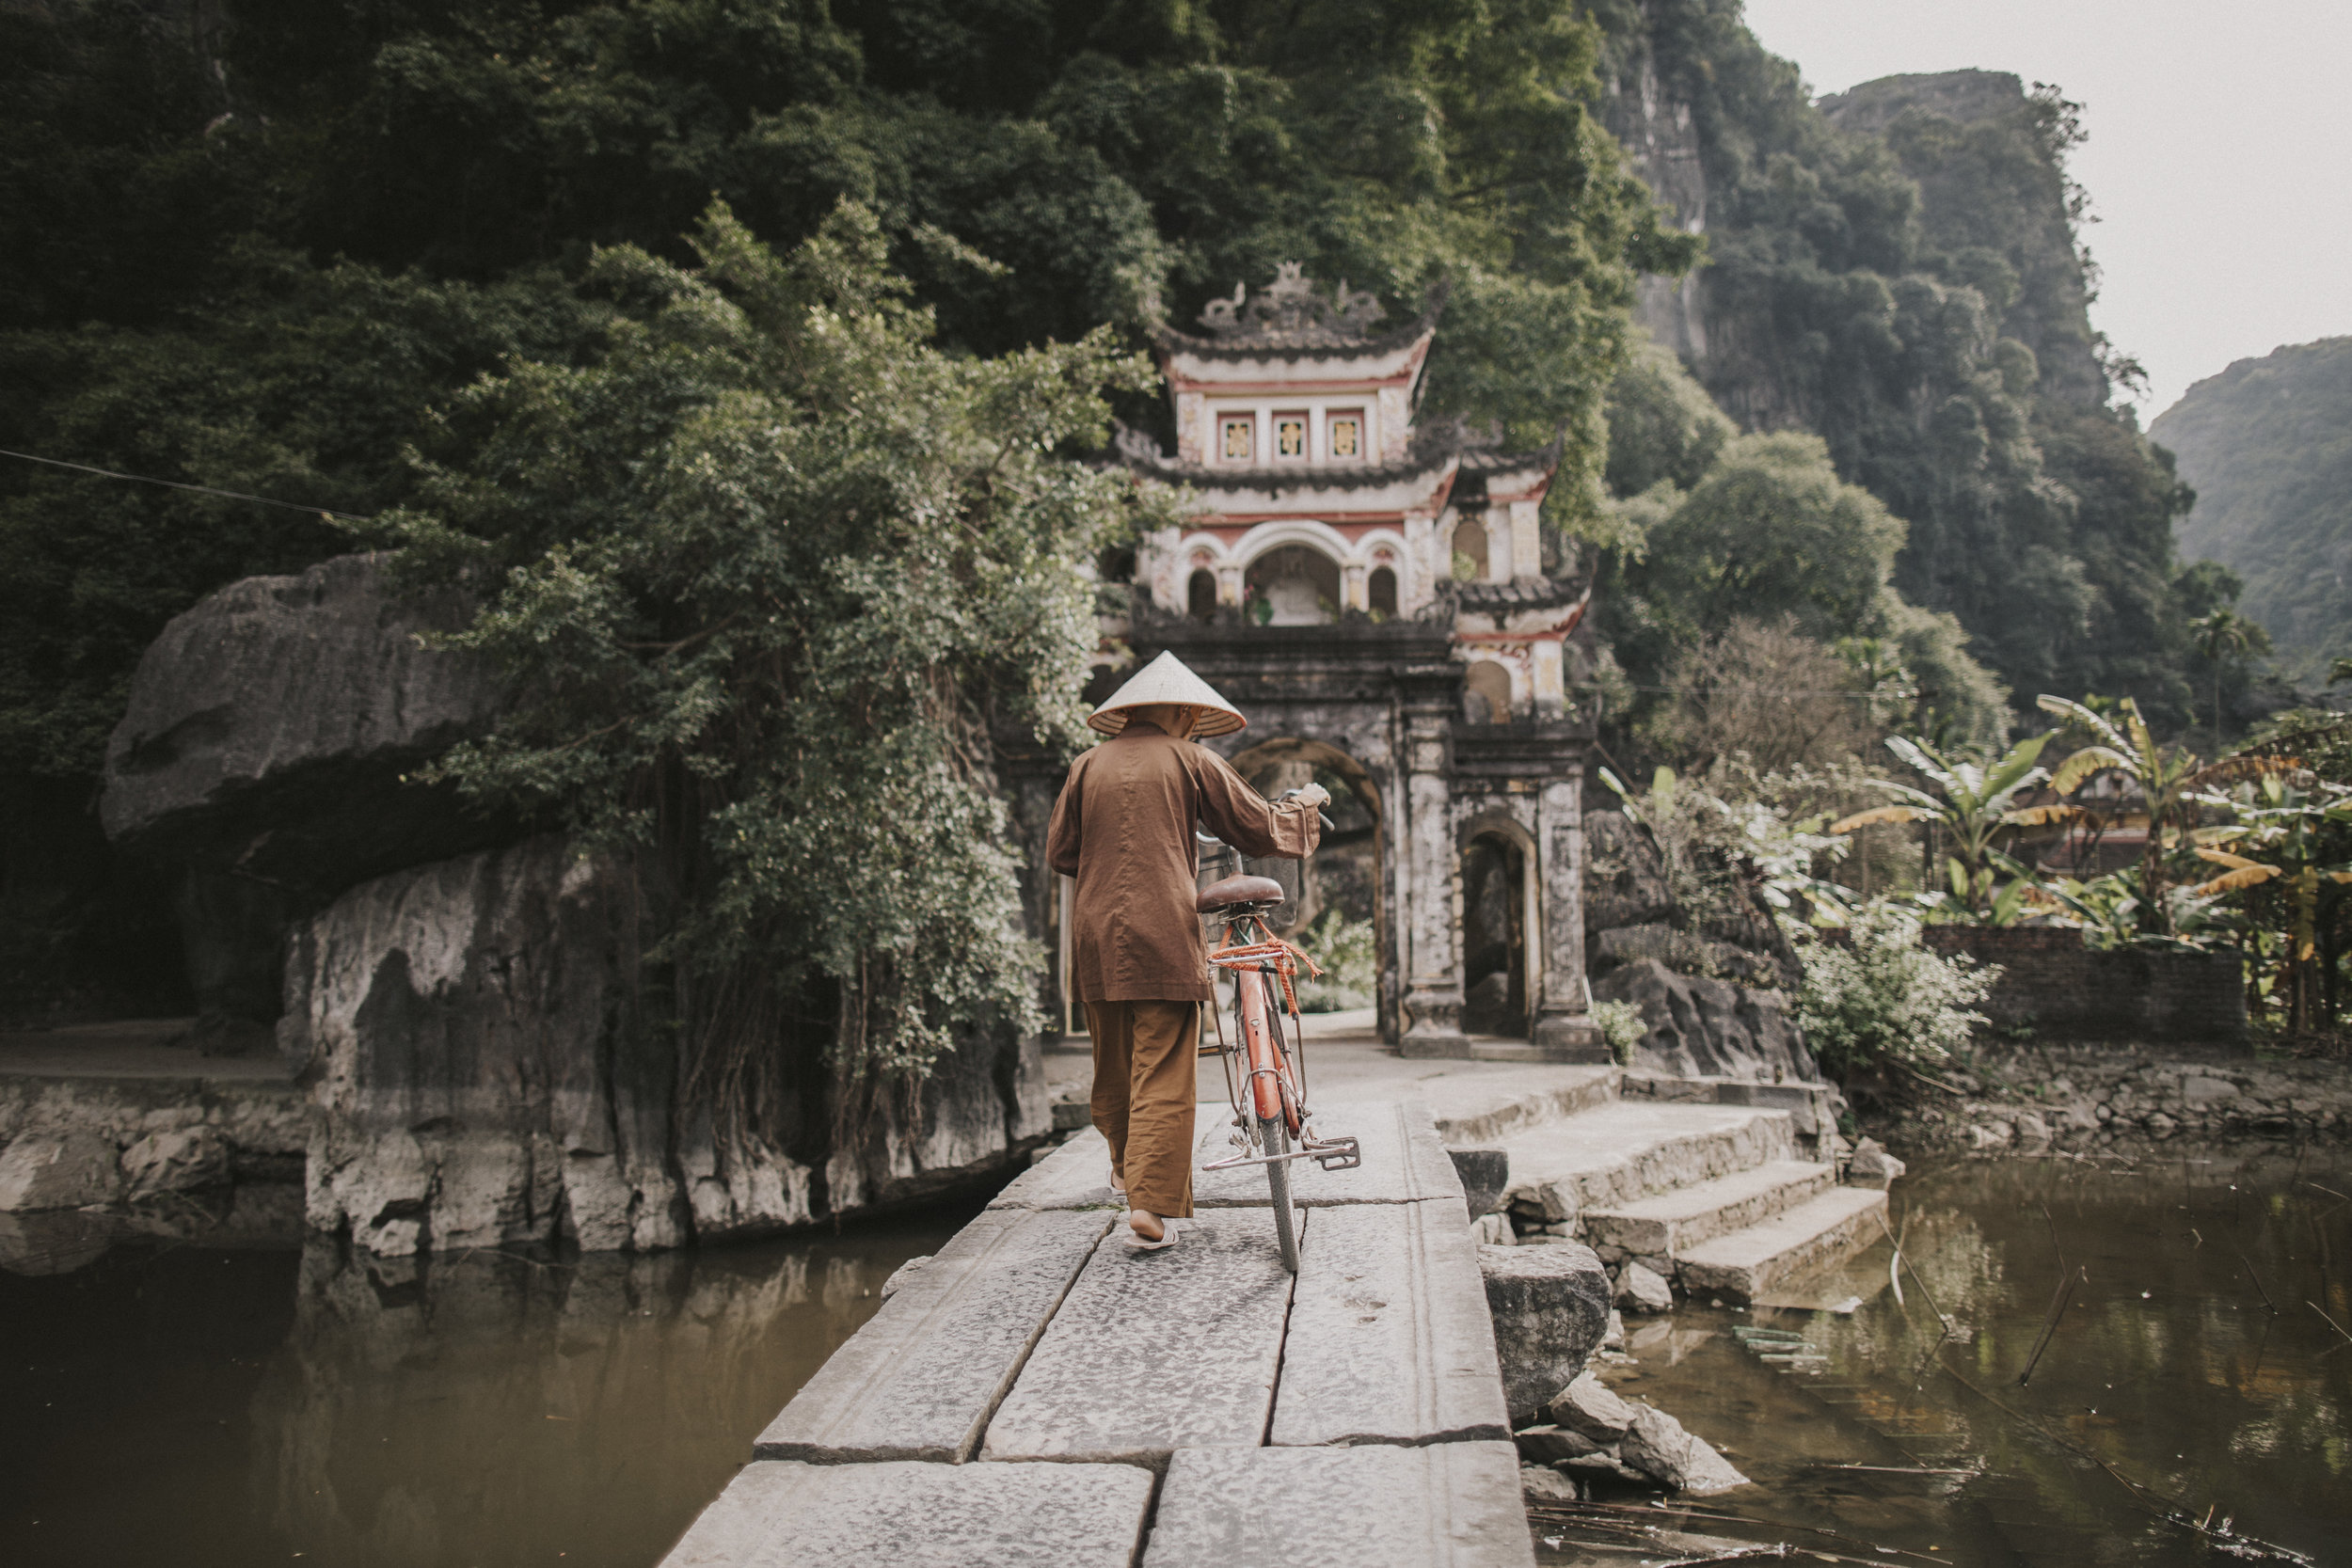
<point x="2064" y="991"/>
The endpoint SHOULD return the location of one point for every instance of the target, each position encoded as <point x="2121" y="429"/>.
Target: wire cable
<point x="177" y="485"/>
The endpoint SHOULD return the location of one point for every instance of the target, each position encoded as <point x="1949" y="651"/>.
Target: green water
<point x="190" y="1405"/>
<point x="2168" y="1370"/>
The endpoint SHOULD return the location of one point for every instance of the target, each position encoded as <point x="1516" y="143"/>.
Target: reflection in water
<point x="201" y="1407"/>
<point x="2166" y="1371"/>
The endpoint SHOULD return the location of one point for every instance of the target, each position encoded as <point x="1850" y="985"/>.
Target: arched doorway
<point x="1337" y="897"/>
<point x="1498" y="914"/>
<point x="1292" y="585"/>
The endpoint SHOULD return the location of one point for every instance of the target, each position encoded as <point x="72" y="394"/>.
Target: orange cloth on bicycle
<point x="1144" y="1054"/>
<point x="1123" y="828"/>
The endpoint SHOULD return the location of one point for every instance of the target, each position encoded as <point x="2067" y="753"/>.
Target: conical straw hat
<point x="1166" y="679"/>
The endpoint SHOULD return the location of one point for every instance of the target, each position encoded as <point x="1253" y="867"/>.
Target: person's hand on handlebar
<point x="1314" y="794"/>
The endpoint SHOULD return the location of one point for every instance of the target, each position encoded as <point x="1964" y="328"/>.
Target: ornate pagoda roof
<point x="1289" y="319"/>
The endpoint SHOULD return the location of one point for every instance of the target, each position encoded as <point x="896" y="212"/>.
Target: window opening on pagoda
<point x="1200" y="595"/>
<point x="1487" y="692"/>
<point x="1343" y="435"/>
<point x="1380" y="592"/>
<point x="1240" y="442"/>
<point x="1469" y="551"/>
<point x="1291" y="586"/>
<point x="1290" y="437"/>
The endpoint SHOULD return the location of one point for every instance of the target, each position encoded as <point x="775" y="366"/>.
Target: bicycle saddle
<point x="1238" y="890"/>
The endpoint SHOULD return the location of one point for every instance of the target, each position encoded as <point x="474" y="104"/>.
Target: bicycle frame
<point x="1270" y="1090"/>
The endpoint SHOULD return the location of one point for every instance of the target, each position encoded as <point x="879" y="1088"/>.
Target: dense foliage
<point x="771" y="566"/>
<point x="1899" y="271"/>
<point x="253" y="246"/>
<point x="1878" y="998"/>
<point x="2268" y="445"/>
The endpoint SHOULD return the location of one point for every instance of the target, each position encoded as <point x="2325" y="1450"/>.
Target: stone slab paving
<point x="1814" y="1235"/>
<point x="921" y="1378"/>
<point x="917" y="1515"/>
<point x="1075" y="1176"/>
<point x="1453" y="1505"/>
<point x="1389" y="1340"/>
<point x="1405" y="1160"/>
<point x="1156" y="1351"/>
<point x="1620" y="1152"/>
<point x="1672" y="1222"/>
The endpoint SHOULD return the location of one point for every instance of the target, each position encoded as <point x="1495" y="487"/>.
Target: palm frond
<point x="2230" y="882"/>
<point x="2083" y="764"/>
<point x="1879" y="814"/>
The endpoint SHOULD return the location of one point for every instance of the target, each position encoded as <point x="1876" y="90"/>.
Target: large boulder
<point x="476" y="1034"/>
<point x="66" y="1170"/>
<point x="1701" y="1027"/>
<point x="270" y="726"/>
<point x="1550" y="1307"/>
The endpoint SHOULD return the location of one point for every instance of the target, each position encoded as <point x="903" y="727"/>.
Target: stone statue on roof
<point x="1290" y="310"/>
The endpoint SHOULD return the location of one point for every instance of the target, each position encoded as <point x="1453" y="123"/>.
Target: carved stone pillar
<point x="1563" y="1021"/>
<point x="1433" y="961"/>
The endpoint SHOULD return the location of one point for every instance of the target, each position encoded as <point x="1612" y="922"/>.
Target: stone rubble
<point x="186" y="1160"/>
<point x="1643" y="1290"/>
<point x="2076" y="1099"/>
<point x="64" y="1171"/>
<point x="1661" y="1448"/>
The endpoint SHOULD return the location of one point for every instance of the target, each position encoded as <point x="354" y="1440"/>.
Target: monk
<point x="1123" y="828"/>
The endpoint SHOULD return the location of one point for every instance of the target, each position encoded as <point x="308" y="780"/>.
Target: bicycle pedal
<point x="1336" y="1153"/>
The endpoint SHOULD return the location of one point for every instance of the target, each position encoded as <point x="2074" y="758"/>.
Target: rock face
<point x="262" y="756"/>
<point x="1702" y="1028"/>
<point x="1550" y="1307"/>
<point x="487" y="1075"/>
<point x="1658" y="1445"/>
<point x="183" y="1161"/>
<point x="1624" y="881"/>
<point x="269" y="725"/>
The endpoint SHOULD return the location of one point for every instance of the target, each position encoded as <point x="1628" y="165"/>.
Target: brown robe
<point x="1123" y="828"/>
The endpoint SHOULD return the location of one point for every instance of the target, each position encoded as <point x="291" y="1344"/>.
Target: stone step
<point x="1622" y="1153"/>
<point x="1389" y="1340"/>
<point x="1448" y="1505"/>
<point x="891" y="1516"/>
<point x="922" y="1377"/>
<point x="1670" y="1224"/>
<point x="1473" y="1111"/>
<point x="1152" y="1351"/>
<point x="1817" y="1234"/>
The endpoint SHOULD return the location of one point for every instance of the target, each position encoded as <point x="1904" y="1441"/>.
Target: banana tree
<point x="1977" y="802"/>
<point x="2302" y="837"/>
<point x="2168" y="782"/>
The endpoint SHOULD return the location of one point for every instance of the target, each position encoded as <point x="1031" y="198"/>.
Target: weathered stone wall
<point x="2054" y="986"/>
<point x="2088" y="1095"/>
<point x="487" y="1074"/>
<point x="464" y="1002"/>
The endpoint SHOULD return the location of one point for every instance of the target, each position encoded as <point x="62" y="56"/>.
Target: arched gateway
<point x="1373" y="594"/>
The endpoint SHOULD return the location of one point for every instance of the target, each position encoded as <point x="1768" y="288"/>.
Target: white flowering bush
<point x="1622" y="1026"/>
<point x="1884" y="998"/>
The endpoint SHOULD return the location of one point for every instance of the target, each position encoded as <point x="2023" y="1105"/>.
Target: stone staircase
<point x="1732" y="1201"/>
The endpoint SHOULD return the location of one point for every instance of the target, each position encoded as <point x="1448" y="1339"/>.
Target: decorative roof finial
<point x="1289" y="313"/>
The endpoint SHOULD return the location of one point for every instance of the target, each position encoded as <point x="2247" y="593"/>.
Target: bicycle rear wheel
<point x="1278" y="1181"/>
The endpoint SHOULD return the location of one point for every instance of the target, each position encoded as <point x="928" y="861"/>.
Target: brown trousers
<point x="1144" y="1057"/>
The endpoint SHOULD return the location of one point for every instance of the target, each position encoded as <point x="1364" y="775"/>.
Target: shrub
<point x="1344" y="948"/>
<point x="1622" y="1025"/>
<point x="1884" y="998"/>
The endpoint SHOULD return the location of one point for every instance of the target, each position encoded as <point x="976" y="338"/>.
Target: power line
<point x="176" y="484"/>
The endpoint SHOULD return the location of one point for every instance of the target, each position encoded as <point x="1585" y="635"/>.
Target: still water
<point x="197" y="1403"/>
<point x="201" y="1407"/>
<point x="2192" y="1371"/>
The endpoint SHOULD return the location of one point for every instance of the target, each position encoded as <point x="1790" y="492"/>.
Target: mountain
<point x="2268" y="443"/>
<point x="1898" y="268"/>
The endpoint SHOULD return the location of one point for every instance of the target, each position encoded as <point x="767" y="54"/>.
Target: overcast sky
<point x="2219" y="163"/>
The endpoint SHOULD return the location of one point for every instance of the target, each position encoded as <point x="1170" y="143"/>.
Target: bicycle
<point x="1269" y="1100"/>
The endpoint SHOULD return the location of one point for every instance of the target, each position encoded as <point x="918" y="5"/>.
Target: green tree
<point x="771" y="566"/>
<point x="2223" y="636"/>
